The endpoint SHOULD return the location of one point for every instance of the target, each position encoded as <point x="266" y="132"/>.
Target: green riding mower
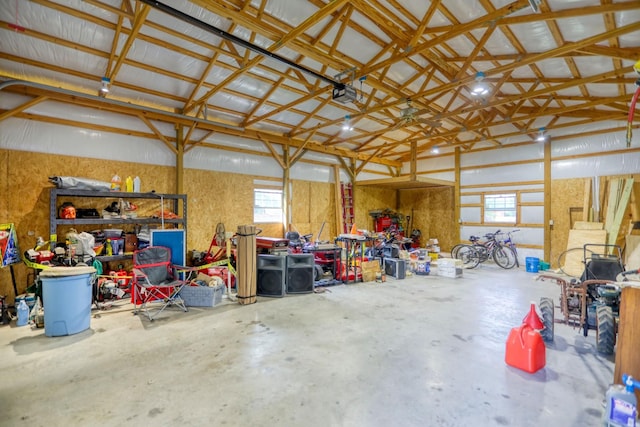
<point x="591" y="302"/>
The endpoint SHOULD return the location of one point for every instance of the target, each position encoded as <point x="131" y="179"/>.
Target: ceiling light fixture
<point x="542" y="136"/>
<point x="106" y="82"/>
<point x="435" y="150"/>
<point x="346" y="126"/>
<point x="480" y="88"/>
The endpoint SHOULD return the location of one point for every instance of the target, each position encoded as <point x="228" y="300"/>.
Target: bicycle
<point x="509" y="242"/>
<point x="477" y="252"/>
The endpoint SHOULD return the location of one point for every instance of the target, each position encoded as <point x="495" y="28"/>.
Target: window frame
<point x="504" y="209"/>
<point x="263" y="218"/>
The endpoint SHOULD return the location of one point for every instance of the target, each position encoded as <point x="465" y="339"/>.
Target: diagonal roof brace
<point x="237" y="40"/>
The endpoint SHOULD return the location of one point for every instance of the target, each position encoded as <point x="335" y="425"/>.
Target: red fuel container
<point x="525" y="349"/>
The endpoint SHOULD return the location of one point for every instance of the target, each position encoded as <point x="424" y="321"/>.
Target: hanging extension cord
<point x="632" y="107"/>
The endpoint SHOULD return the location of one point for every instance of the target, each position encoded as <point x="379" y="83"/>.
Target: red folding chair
<point x="156" y="283"/>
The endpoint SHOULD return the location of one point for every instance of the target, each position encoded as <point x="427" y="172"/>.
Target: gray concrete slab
<point x="424" y="351"/>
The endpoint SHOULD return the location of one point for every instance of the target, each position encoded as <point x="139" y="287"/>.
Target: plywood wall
<point x="565" y="195"/>
<point x="372" y="198"/>
<point x="313" y="206"/>
<point x="213" y="197"/>
<point x="567" y="201"/>
<point x="432" y="212"/>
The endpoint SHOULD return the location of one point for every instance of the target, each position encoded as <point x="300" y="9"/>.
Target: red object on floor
<point x="525" y="349"/>
<point x="532" y="319"/>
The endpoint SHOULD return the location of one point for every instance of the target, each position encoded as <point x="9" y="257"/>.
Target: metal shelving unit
<point x="55" y="222"/>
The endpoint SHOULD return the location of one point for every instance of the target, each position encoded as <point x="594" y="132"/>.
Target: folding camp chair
<point x="156" y="283"/>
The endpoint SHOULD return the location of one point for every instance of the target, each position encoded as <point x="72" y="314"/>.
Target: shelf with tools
<point x="156" y="209"/>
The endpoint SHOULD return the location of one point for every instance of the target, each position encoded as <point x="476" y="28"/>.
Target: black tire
<point x="482" y="251"/>
<point x="504" y="257"/>
<point x="469" y="256"/>
<point x="454" y="250"/>
<point x="317" y="273"/>
<point x="605" y="330"/>
<point x="547" y="310"/>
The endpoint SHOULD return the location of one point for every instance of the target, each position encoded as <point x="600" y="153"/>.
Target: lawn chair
<point x="156" y="283"/>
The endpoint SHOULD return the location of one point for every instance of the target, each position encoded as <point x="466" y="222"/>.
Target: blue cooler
<point x="67" y="298"/>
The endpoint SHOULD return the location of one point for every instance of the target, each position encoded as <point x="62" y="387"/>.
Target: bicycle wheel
<point x="469" y="256"/>
<point x="504" y="256"/>
<point x="482" y="251"/>
<point x="456" y="248"/>
<point x="515" y="251"/>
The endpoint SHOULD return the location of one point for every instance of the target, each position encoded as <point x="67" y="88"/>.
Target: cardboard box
<point x="368" y="276"/>
<point x="449" y="267"/>
<point x="370" y="266"/>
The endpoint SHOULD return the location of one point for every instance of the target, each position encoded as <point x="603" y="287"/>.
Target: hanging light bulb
<point x="480" y="88"/>
<point x="435" y="150"/>
<point x="346" y="126"/>
<point x="542" y="136"/>
<point x="106" y="82"/>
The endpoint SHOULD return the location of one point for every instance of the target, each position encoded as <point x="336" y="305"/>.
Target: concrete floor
<point x="424" y="351"/>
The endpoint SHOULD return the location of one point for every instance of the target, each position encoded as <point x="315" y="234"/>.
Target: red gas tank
<point x="525" y="349"/>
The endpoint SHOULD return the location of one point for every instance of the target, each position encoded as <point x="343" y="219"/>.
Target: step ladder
<point x="348" y="216"/>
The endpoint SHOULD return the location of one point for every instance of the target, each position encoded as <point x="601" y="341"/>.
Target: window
<point x="500" y="208"/>
<point x="267" y="206"/>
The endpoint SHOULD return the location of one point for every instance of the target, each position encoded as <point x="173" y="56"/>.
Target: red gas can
<point x="525" y="349"/>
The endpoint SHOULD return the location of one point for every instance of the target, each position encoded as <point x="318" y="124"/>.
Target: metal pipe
<point x="236" y="40"/>
<point x="117" y="103"/>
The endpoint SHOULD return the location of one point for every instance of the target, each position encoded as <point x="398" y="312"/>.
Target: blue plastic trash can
<point x="66" y="298"/>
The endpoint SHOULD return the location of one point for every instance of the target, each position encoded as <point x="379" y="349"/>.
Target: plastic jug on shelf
<point x="128" y="184"/>
<point x="116" y="183"/>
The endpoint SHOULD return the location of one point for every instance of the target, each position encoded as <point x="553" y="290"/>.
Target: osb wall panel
<point x="213" y="198"/>
<point x="4" y="179"/>
<point x="301" y="207"/>
<point x="431" y="212"/>
<point x="313" y="206"/>
<point x="570" y="193"/>
<point x="371" y="198"/>
<point x="25" y="188"/>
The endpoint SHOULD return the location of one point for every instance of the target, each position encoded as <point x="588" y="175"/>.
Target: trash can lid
<point x="67" y="271"/>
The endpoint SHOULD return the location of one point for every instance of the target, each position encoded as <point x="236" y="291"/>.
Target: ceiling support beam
<point x="158" y="134"/>
<point x="22" y="107"/>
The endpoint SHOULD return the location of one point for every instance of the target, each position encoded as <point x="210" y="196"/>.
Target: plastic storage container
<point x="66" y="296"/>
<point x="23" y="313"/>
<point x="532" y="264"/>
<point x="621" y="404"/>
<point x="202" y="296"/>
